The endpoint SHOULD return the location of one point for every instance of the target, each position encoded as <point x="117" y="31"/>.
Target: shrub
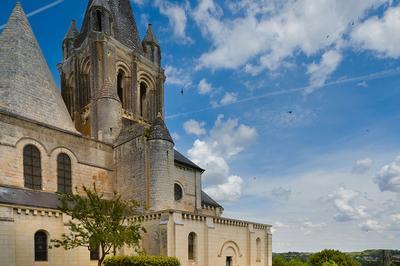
<point x="340" y="258"/>
<point x="141" y="261"/>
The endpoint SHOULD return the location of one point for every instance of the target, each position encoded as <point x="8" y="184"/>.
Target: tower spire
<point x="150" y="37"/>
<point x="73" y="31"/>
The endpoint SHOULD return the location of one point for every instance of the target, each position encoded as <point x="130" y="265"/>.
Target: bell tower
<point x="109" y="77"/>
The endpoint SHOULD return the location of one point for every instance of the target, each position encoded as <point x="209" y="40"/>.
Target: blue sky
<point x="291" y="106"/>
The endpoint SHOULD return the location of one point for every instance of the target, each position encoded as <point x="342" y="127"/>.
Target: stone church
<point x="106" y="127"/>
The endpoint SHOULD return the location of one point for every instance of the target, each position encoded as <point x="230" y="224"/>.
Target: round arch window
<point x="178" y="191"/>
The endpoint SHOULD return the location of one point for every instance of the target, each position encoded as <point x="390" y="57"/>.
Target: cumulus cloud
<point x="319" y="73"/>
<point x="344" y="201"/>
<point x="224" y="141"/>
<point x="194" y="127"/>
<point x="229" y="191"/>
<point x="396" y="217"/>
<point x="204" y="87"/>
<point x="307" y="227"/>
<point x="388" y="178"/>
<point x="265" y="35"/>
<point x="381" y="35"/>
<point x="177" y="19"/>
<point x="176" y="76"/>
<point x="371" y="225"/>
<point x="362" y="166"/>
<point x="229" y="98"/>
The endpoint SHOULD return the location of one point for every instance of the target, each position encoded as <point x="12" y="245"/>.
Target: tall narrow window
<point x="192" y="246"/>
<point x="258" y="246"/>
<point x="143" y="91"/>
<point x="40" y="246"/>
<point x="120" y="87"/>
<point x="32" y="168"/>
<point x="64" y="180"/>
<point x="99" y="21"/>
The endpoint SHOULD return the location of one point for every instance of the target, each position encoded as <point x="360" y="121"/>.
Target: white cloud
<point x="388" y="178"/>
<point x="229" y="191"/>
<point x="363" y="84"/>
<point x="371" y="225"/>
<point x="344" y="202"/>
<point x="177" y="19"/>
<point x="204" y="87"/>
<point x="307" y="227"/>
<point x="224" y="141"/>
<point x="175" y="136"/>
<point x="396" y="217"/>
<point x="176" y="76"/>
<point x="319" y="73"/>
<point x="194" y="127"/>
<point x="281" y="193"/>
<point x="265" y="35"/>
<point x="381" y="35"/>
<point x="229" y="98"/>
<point x="362" y="166"/>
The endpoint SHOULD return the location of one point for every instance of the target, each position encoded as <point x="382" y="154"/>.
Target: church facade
<point x="106" y="127"/>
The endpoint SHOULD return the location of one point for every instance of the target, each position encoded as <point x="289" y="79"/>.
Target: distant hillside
<point x="366" y="258"/>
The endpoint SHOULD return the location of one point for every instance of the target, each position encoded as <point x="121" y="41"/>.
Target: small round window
<point x="178" y="192"/>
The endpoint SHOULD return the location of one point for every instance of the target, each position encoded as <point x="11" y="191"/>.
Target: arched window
<point x="40" y="246"/>
<point x="192" y="246"/>
<point x="178" y="192"/>
<point x="99" y="21"/>
<point x="258" y="246"/>
<point x="143" y="106"/>
<point x="84" y="85"/>
<point x="64" y="180"/>
<point x="120" y="87"/>
<point x="32" y="168"/>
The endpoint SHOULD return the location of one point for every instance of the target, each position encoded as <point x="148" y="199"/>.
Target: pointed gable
<point x="27" y="88"/>
<point x="150" y="37"/>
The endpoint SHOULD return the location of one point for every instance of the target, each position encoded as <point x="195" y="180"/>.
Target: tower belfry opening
<point x="143" y="96"/>
<point x="120" y="86"/>
<point x="99" y="21"/>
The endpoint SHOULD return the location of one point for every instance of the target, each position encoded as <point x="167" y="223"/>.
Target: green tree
<point x="281" y="261"/>
<point x="98" y="223"/>
<point x="329" y="263"/>
<point x="326" y="256"/>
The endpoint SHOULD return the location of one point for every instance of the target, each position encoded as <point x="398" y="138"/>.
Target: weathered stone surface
<point x="26" y="84"/>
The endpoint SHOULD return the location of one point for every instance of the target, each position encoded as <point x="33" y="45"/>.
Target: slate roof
<point x="159" y="130"/>
<point x="124" y="24"/>
<point x="207" y="200"/>
<point x="180" y="158"/>
<point x="100" y="3"/>
<point x="47" y="200"/>
<point x="27" y="88"/>
<point x="30" y="198"/>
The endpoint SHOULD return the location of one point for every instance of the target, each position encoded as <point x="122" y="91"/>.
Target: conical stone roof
<point x="150" y="37"/>
<point x="27" y="88"/>
<point x="73" y="31"/>
<point x="159" y="130"/>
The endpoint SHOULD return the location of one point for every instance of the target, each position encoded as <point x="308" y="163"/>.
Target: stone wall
<point x="190" y="180"/>
<point x="249" y="244"/>
<point x="92" y="161"/>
